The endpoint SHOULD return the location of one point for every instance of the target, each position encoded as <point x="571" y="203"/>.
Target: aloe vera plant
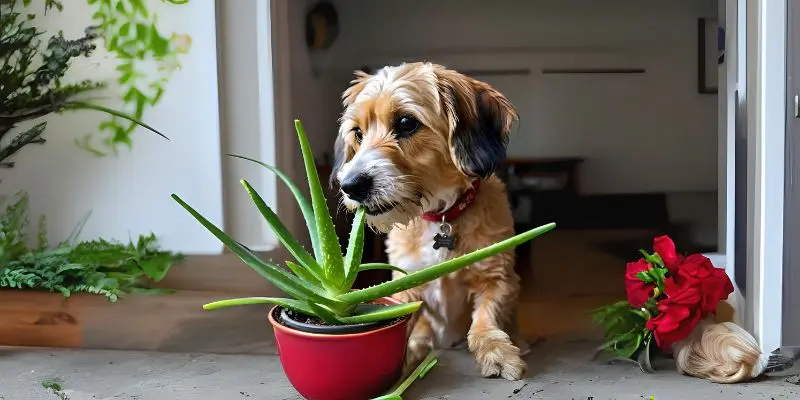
<point x="320" y="285"/>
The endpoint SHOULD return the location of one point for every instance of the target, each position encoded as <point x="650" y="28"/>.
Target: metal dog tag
<point x="444" y="238"/>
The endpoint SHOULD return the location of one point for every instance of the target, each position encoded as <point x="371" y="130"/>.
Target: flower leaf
<point x="653" y="259"/>
<point x="644" y="356"/>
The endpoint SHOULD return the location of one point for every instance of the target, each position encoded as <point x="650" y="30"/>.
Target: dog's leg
<point x="420" y="333"/>
<point x="420" y="343"/>
<point x="493" y="349"/>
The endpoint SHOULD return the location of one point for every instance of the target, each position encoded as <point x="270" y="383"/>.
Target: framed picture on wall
<point x="710" y="54"/>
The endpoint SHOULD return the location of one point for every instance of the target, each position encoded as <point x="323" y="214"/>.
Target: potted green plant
<point x="335" y="342"/>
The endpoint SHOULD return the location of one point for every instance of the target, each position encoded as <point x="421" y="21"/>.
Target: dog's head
<point x="412" y="133"/>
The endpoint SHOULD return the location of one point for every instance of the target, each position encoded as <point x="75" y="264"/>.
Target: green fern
<point x="99" y="266"/>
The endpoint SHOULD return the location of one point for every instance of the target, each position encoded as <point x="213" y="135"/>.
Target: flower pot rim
<point x="327" y="336"/>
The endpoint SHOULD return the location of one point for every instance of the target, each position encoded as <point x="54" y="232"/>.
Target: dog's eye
<point x="358" y="134"/>
<point x="405" y="126"/>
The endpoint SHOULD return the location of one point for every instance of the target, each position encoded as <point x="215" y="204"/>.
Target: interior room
<point x="617" y="137"/>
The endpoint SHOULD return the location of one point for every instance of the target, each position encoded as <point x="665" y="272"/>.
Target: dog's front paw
<point x="496" y="355"/>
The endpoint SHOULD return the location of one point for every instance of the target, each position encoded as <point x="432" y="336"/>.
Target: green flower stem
<point x="428" y="274"/>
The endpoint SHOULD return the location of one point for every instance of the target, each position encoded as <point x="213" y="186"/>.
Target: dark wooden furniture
<point x="541" y="181"/>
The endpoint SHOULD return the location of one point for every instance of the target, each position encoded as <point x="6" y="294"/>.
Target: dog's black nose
<point x="357" y="188"/>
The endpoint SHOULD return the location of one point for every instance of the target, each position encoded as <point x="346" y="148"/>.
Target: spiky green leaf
<point x="289" y="242"/>
<point x="374" y="266"/>
<point x="292" y="304"/>
<point x="355" y="249"/>
<point x="302" y="202"/>
<point x="383" y="313"/>
<point x="303" y="274"/>
<point x="324" y="314"/>
<point x="332" y="260"/>
<point x="428" y="274"/>
<point x="290" y="284"/>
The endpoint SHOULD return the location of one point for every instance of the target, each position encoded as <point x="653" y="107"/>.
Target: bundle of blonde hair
<point x="720" y="352"/>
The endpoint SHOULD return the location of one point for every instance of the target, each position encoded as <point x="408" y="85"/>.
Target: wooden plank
<point x="29" y="318"/>
<point x="177" y="323"/>
<point x="171" y="323"/>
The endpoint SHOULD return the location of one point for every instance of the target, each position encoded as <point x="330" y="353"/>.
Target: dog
<point x="418" y="145"/>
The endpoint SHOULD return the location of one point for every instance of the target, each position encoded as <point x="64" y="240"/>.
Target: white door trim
<point x="766" y="131"/>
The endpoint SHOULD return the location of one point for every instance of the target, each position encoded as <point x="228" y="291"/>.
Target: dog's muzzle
<point x="358" y="187"/>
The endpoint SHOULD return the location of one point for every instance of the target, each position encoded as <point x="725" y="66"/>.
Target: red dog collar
<point x="461" y="204"/>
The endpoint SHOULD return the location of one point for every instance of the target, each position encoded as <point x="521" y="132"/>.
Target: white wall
<point x="639" y="133"/>
<point x="130" y="194"/>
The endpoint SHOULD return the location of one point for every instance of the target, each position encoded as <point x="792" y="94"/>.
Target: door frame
<point x="790" y="329"/>
<point x="764" y="94"/>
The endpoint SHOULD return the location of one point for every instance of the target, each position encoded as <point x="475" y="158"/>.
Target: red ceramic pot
<point x="356" y="366"/>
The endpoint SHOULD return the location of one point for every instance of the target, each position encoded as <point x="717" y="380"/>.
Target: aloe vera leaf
<point x="303" y="274"/>
<point x="292" y="245"/>
<point x="428" y="274"/>
<point x="422" y="369"/>
<point x="291" y="304"/>
<point x="302" y="201"/>
<point x="324" y="314"/>
<point x="373" y="266"/>
<point x="355" y="248"/>
<point x="332" y="260"/>
<point x="292" y="285"/>
<point x="383" y="313"/>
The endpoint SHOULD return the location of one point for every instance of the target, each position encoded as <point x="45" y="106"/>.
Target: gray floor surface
<point x="557" y="371"/>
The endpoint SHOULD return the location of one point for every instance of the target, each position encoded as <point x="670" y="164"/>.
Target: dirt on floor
<point x="557" y="370"/>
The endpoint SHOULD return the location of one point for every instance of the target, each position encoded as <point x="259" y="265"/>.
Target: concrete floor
<point x="557" y="371"/>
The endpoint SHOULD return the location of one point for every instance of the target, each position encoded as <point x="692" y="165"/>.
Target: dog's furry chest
<point x="446" y="299"/>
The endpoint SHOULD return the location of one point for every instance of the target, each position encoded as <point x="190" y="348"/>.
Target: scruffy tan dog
<point x="417" y="146"/>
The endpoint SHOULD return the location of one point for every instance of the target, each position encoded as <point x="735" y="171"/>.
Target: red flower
<point x="638" y="291"/>
<point x="665" y="248"/>
<point x="713" y="283"/>
<point x="679" y="314"/>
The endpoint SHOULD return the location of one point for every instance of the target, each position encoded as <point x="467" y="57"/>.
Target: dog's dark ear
<point x="480" y="118"/>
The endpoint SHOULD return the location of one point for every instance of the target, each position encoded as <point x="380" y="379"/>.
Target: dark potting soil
<point x="302" y="318"/>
